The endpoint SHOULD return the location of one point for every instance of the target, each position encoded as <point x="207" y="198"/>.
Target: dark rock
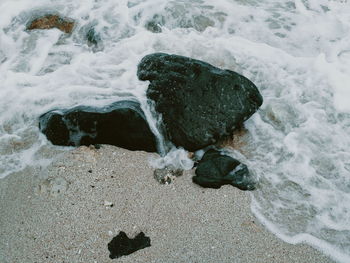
<point x="167" y="175"/>
<point x="121" y="245"/>
<point x="200" y="104"/>
<point x="92" y="37"/>
<point x="122" y="124"/>
<point x="155" y="25"/>
<point x="52" y="21"/>
<point x="216" y="169"/>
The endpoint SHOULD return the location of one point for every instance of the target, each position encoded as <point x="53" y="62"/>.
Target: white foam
<point x="177" y="157"/>
<point x="321" y="245"/>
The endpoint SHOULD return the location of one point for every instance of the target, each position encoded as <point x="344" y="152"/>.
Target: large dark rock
<point x="121" y="245"/>
<point x="121" y="124"/>
<point x="217" y="169"/>
<point x="200" y="104"/>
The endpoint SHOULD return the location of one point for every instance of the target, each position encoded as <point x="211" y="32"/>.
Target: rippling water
<point x="296" y="52"/>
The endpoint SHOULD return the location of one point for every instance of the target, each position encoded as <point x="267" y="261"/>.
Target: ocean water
<point x="297" y="52"/>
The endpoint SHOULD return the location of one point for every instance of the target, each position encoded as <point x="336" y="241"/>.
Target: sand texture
<point x="62" y="214"/>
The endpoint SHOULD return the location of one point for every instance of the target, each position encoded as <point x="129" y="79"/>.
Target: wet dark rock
<point x="121" y="245"/>
<point x="122" y="124"/>
<point x="217" y="169"/>
<point x="167" y="175"/>
<point x="92" y="37"/>
<point x="52" y="21"/>
<point x="155" y="25"/>
<point x="200" y="104"/>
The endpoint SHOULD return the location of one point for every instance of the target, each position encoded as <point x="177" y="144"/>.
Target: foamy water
<point x="296" y="52"/>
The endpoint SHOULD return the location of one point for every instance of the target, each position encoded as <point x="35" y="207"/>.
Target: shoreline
<point x="59" y="214"/>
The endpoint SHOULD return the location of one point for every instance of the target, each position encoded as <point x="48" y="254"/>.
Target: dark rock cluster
<point x="199" y="104"/>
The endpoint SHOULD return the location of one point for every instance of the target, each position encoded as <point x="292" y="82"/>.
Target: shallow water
<point x="296" y="52"/>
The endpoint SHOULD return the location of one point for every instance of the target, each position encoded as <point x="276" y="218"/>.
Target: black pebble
<point x="97" y="146"/>
<point x="121" y="245"/>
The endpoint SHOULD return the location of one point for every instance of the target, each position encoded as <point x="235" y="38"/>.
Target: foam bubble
<point x="176" y="157"/>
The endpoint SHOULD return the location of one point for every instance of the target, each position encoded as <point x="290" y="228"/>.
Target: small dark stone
<point x="216" y="169"/>
<point x="121" y="245"/>
<point x="97" y="146"/>
<point x="153" y="27"/>
<point x="200" y="104"/>
<point x="92" y="37"/>
<point x="90" y="171"/>
<point x="155" y="24"/>
<point x="122" y="124"/>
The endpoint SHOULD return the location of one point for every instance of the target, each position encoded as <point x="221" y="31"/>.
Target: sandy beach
<point x="59" y="214"/>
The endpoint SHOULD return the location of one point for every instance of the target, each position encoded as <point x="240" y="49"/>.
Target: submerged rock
<point x="92" y="37"/>
<point x="216" y="169"/>
<point x="200" y="104"/>
<point x="155" y="25"/>
<point x="121" y="245"/>
<point x="122" y="124"/>
<point x="167" y="175"/>
<point x="52" y="21"/>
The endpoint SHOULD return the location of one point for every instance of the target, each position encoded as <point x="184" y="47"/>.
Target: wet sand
<point x="58" y="214"/>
